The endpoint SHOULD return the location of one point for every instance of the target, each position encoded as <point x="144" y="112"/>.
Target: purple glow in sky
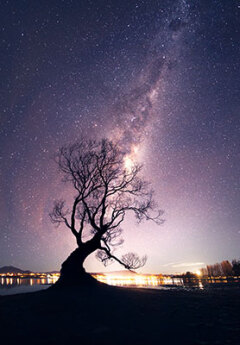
<point x="161" y="76"/>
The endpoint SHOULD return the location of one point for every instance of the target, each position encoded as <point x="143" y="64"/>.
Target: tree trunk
<point x="72" y="272"/>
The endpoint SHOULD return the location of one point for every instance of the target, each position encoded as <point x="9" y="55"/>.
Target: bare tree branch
<point x="130" y="261"/>
<point x="106" y="192"/>
<point x="58" y="215"/>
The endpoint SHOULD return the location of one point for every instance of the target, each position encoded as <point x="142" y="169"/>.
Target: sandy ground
<point x="109" y="315"/>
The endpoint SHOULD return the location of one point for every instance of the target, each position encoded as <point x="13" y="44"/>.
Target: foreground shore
<point x="110" y="315"/>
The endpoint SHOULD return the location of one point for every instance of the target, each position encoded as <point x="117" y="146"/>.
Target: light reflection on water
<point x="139" y="280"/>
<point x="163" y="282"/>
<point x="13" y="285"/>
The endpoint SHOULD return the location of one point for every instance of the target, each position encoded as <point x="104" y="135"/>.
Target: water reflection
<point x="11" y="285"/>
<point x="138" y="280"/>
<point x="159" y="281"/>
<point x="12" y="282"/>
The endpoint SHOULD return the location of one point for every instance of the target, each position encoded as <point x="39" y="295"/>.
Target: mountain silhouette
<point x="12" y="269"/>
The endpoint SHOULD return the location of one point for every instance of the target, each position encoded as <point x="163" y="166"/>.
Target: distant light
<point x="128" y="163"/>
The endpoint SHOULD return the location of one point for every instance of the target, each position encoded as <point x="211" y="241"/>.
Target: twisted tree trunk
<point x="72" y="271"/>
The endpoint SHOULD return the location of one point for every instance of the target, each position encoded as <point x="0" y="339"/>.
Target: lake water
<point x="14" y="285"/>
<point x="11" y="286"/>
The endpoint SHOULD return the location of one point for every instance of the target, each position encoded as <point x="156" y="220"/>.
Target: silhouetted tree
<point x="217" y="270"/>
<point x="189" y="275"/>
<point x="236" y="267"/>
<point x="220" y="269"/>
<point x="226" y="268"/>
<point x="210" y="270"/>
<point x="105" y="192"/>
<point x="204" y="271"/>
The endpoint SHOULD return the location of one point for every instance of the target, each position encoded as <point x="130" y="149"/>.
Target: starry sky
<point x="160" y="76"/>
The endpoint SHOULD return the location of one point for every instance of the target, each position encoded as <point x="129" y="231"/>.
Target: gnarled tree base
<point x="84" y="279"/>
<point x="72" y="272"/>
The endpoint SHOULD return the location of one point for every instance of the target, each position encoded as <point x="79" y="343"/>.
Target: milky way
<point x="162" y="78"/>
<point x="136" y="110"/>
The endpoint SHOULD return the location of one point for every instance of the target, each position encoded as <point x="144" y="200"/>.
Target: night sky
<point x="160" y="76"/>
